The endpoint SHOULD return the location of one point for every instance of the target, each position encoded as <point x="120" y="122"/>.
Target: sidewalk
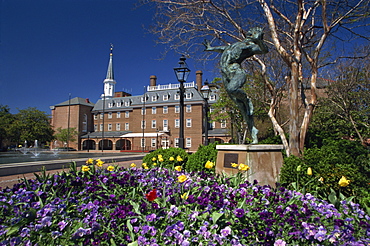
<point x="9" y="181"/>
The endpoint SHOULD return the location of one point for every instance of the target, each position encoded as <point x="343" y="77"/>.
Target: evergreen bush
<point x="197" y="161"/>
<point x="168" y="158"/>
<point x="329" y="164"/>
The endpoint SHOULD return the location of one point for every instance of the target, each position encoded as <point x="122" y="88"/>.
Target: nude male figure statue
<point x="234" y="76"/>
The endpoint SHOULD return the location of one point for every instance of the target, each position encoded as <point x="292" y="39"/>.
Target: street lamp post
<point x="182" y="73"/>
<point x="205" y="91"/>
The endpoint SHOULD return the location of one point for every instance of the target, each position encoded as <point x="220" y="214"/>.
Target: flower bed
<point x="160" y="206"/>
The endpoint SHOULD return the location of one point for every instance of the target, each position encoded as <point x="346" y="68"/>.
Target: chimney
<point x="87" y="100"/>
<point x="199" y="79"/>
<point x="153" y="80"/>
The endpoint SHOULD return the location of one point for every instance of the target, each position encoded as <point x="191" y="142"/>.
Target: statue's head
<point x="255" y="33"/>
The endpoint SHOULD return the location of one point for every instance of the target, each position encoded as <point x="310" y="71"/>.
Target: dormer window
<point x="144" y="99"/>
<point x="119" y="104"/>
<point x="212" y="97"/>
<point x="189" y="95"/>
<point x="110" y="104"/>
<point x="165" y="97"/>
<point x="154" y="98"/>
<point x="177" y="96"/>
<point x="127" y="103"/>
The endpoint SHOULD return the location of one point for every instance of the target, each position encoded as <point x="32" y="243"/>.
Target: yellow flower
<point x="209" y="165"/>
<point x="154" y="159"/>
<point x="299" y="168"/>
<point x="178" y="168"/>
<point x="110" y="168"/>
<point x="19" y="146"/>
<point x="154" y="164"/>
<point x="171" y="158"/>
<point x="144" y="164"/>
<point x="185" y="196"/>
<point x="146" y="167"/>
<point x="133" y="165"/>
<point x="90" y="161"/>
<point x="160" y="156"/>
<point x="85" y="168"/>
<point x="243" y="167"/>
<point x="234" y="164"/>
<point x="343" y="182"/>
<point x="178" y="158"/>
<point x="182" y="178"/>
<point x="160" y="159"/>
<point x="321" y="179"/>
<point x="309" y="171"/>
<point x="99" y="163"/>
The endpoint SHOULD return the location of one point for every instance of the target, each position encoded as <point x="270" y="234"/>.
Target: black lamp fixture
<point x="182" y="72"/>
<point x="206" y="90"/>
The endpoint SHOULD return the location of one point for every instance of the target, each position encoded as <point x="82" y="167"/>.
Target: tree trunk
<point x="294" y="112"/>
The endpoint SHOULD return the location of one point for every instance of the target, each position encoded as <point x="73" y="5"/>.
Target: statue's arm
<point x="208" y="47"/>
<point x="256" y="39"/>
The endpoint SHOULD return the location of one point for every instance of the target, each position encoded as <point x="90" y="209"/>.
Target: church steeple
<point x="109" y="82"/>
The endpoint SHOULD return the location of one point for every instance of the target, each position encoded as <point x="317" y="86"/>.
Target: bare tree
<point x="302" y="33"/>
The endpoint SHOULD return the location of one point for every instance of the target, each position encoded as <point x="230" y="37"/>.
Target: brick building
<point x="142" y="122"/>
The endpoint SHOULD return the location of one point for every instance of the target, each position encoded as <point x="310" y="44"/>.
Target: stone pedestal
<point x="264" y="160"/>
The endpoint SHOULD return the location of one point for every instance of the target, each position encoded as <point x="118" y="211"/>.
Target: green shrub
<point x="152" y="159"/>
<point x="197" y="161"/>
<point x="329" y="163"/>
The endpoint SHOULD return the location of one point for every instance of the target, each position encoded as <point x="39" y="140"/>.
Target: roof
<point x="155" y="97"/>
<point x="76" y="101"/>
<point x="107" y="134"/>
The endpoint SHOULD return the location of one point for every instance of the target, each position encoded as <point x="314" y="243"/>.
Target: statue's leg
<point x="245" y="105"/>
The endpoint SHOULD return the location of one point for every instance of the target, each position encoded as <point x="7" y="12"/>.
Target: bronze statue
<point x="234" y="76"/>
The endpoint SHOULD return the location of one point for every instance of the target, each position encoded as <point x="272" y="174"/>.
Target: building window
<point x="165" y="125"/>
<point x="118" y="115"/>
<point x="110" y="115"/>
<point x="188" y="108"/>
<point x="177" y="109"/>
<point x="127" y="126"/>
<point x="84" y="123"/>
<point x="188" y="122"/>
<point x="213" y="124"/>
<point x="177" y="123"/>
<point x="118" y="127"/>
<point x="127" y="114"/>
<point x="109" y="127"/>
<point x="95" y="116"/>
<point x="188" y="142"/>
<point x="177" y="96"/>
<point x="177" y="142"/>
<point x="143" y="99"/>
<point x="142" y="143"/>
<point x="95" y="128"/>
<point x="119" y="104"/>
<point x="127" y="103"/>
<point x="101" y="127"/>
<point x="223" y="123"/>
<point x="154" y="124"/>
<point x="154" y="142"/>
<point x="165" y="97"/>
<point x="223" y="110"/>
<point x="154" y="98"/>
<point x="188" y="95"/>
<point x="212" y="97"/>
<point x="143" y="124"/>
<point x="154" y="110"/>
<point x="165" y="109"/>
<point x="143" y="111"/>
<point x="101" y="115"/>
<point x="110" y="105"/>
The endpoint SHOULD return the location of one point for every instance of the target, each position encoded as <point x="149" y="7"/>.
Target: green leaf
<point x="215" y="216"/>
<point x="133" y="244"/>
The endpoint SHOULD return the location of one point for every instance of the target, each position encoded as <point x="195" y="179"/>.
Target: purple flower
<point x="226" y="231"/>
<point x="62" y="224"/>
<point x="239" y="212"/>
<point x="151" y="217"/>
<point x="279" y="242"/>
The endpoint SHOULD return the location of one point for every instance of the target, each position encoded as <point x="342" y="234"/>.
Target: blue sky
<point x="50" y="48"/>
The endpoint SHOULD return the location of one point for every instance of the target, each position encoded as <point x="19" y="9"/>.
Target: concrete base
<point x="264" y="160"/>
